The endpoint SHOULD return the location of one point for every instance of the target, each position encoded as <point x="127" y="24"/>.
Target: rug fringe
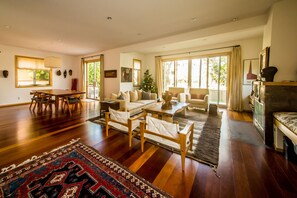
<point x="13" y="166"/>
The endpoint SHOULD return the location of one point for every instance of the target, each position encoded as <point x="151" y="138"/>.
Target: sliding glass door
<point x="204" y="72"/>
<point x="93" y="79"/>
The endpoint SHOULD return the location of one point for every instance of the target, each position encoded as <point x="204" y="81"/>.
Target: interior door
<point x="93" y="80"/>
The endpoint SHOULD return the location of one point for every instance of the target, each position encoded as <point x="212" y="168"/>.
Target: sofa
<point x="197" y="98"/>
<point x="134" y="101"/>
<point x="178" y="93"/>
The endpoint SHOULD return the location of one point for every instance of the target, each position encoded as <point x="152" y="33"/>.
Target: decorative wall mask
<point x="70" y="72"/>
<point x="5" y="73"/>
<point x="65" y="73"/>
<point x="59" y="73"/>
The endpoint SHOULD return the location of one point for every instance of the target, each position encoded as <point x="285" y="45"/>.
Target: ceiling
<point x="77" y="27"/>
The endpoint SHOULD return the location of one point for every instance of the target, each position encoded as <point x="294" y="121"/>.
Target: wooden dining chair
<point x="45" y="100"/>
<point x="36" y="98"/>
<point x="72" y="101"/>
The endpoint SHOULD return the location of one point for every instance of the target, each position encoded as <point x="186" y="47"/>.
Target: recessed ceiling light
<point x="194" y="19"/>
<point x="235" y="19"/>
<point x="109" y="18"/>
<point x="139" y="34"/>
<point x="7" y="26"/>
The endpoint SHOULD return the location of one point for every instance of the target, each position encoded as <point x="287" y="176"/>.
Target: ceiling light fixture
<point x="194" y="19"/>
<point x="235" y="19"/>
<point x="139" y="34"/>
<point x="7" y="26"/>
<point x="52" y="62"/>
<point x="109" y="18"/>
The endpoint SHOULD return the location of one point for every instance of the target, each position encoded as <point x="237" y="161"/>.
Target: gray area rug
<point x="206" y="140"/>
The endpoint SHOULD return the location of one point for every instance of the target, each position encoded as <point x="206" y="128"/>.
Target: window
<point x="31" y="72"/>
<point x="136" y="72"/>
<point x="204" y="72"/>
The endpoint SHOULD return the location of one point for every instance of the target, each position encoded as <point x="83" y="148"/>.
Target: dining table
<point x="59" y="93"/>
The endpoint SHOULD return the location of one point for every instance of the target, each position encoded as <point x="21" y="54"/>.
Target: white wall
<point x="250" y="49"/>
<point x="9" y="94"/>
<point x="283" y="35"/>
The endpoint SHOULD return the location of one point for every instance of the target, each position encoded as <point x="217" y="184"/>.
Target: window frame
<point x="139" y="72"/>
<point x="31" y="85"/>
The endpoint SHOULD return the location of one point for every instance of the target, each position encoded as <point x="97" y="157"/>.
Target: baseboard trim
<point x="15" y="104"/>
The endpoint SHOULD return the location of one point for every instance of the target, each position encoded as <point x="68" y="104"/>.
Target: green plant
<point x="147" y="83"/>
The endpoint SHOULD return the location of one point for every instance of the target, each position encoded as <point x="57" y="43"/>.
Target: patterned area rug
<point x="206" y="140"/>
<point x="73" y="170"/>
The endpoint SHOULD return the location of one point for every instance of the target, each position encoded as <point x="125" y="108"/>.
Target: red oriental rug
<point x="73" y="170"/>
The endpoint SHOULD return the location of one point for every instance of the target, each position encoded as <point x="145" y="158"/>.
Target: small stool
<point x="213" y="109"/>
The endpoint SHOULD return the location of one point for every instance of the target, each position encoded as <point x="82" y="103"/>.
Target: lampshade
<point x="52" y="62"/>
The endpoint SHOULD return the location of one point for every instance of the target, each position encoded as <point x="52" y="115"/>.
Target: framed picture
<point x="264" y="58"/>
<point x="251" y="70"/>
<point x="110" y="73"/>
<point x="126" y="74"/>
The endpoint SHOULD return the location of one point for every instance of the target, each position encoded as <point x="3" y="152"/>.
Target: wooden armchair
<point x="70" y="101"/>
<point x="121" y="120"/>
<point x="168" y="133"/>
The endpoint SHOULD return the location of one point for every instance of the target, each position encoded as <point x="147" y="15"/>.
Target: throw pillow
<point x="121" y="96"/>
<point x="139" y="93"/>
<point x="194" y="96"/>
<point x="201" y="96"/>
<point x="145" y="95"/>
<point x="133" y="96"/>
<point x="115" y="96"/>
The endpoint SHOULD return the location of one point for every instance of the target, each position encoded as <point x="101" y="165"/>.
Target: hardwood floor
<point x="246" y="167"/>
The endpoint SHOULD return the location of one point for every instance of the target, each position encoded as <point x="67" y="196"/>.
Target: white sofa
<point x="134" y="106"/>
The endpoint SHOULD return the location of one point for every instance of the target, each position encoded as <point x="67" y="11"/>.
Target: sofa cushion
<point x="115" y="96"/>
<point x="145" y="102"/>
<point x="139" y="93"/>
<point x="134" y="105"/>
<point x="196" y="101"/>
<point x="133" y="96"/>
<point x="145" y="95"/>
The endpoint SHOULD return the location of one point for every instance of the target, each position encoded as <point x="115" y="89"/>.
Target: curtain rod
<point x="91" y="56"/>
<point x="199" y="51"/>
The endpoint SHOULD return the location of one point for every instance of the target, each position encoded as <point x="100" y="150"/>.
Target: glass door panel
<point x="182" y="71"/>
<point x="93" y="80"/>
<point x="168" y="74"/>
<point x="196" y="65"/>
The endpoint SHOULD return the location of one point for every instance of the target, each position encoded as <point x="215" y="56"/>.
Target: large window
<point x="203" y="72"/>
<point x="31" y="72"/>
<point x="136" y="72"/>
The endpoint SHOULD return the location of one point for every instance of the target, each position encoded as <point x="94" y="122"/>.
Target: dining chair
<point x="167" y="133"/>
<point x="72" y="101"/>
<point x="35" y="99"/>
<point x="45" y="100"/>
<point x="121" y="120"/>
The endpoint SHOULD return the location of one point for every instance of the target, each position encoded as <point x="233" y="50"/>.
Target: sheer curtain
<point x="101" y="77"/>
<point x="235" y="81"/>
<point x="159" y="75"/>
<point x="83" y="77"/>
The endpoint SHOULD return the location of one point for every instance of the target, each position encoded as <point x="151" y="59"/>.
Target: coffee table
<point x="167" y="115"/>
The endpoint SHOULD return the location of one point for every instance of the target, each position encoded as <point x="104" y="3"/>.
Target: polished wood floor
<point x="246" y="167"/>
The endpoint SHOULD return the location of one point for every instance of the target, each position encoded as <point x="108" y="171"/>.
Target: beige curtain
<point x="83" y="77"/>
<point x="159" y="75"/>
<point x="101" y="77"/>
<point x="235" y="81"/>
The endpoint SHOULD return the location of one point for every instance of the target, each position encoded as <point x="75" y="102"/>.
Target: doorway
<point x="93" y="79"/>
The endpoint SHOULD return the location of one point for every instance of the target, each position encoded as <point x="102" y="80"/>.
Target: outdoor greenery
<point x="147" y="83"/>
<point x="214" y="73"/>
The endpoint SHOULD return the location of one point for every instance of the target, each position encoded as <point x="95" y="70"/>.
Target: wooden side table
<point x="104" y="106"/>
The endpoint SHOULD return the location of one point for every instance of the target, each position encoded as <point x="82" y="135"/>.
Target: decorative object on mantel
<point x="59" y="73"/>
<point x="264" y="58"/>
<point x="52" y="62"/>
<point x="167" y="100"/>
<point x="70" y="72"/>
<point x="268" y="73"/>
<point x="5" y="73"/>
<point x="65" y="73"/>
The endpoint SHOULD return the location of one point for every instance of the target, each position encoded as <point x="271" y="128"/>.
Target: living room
<point x="271" y="25"/>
